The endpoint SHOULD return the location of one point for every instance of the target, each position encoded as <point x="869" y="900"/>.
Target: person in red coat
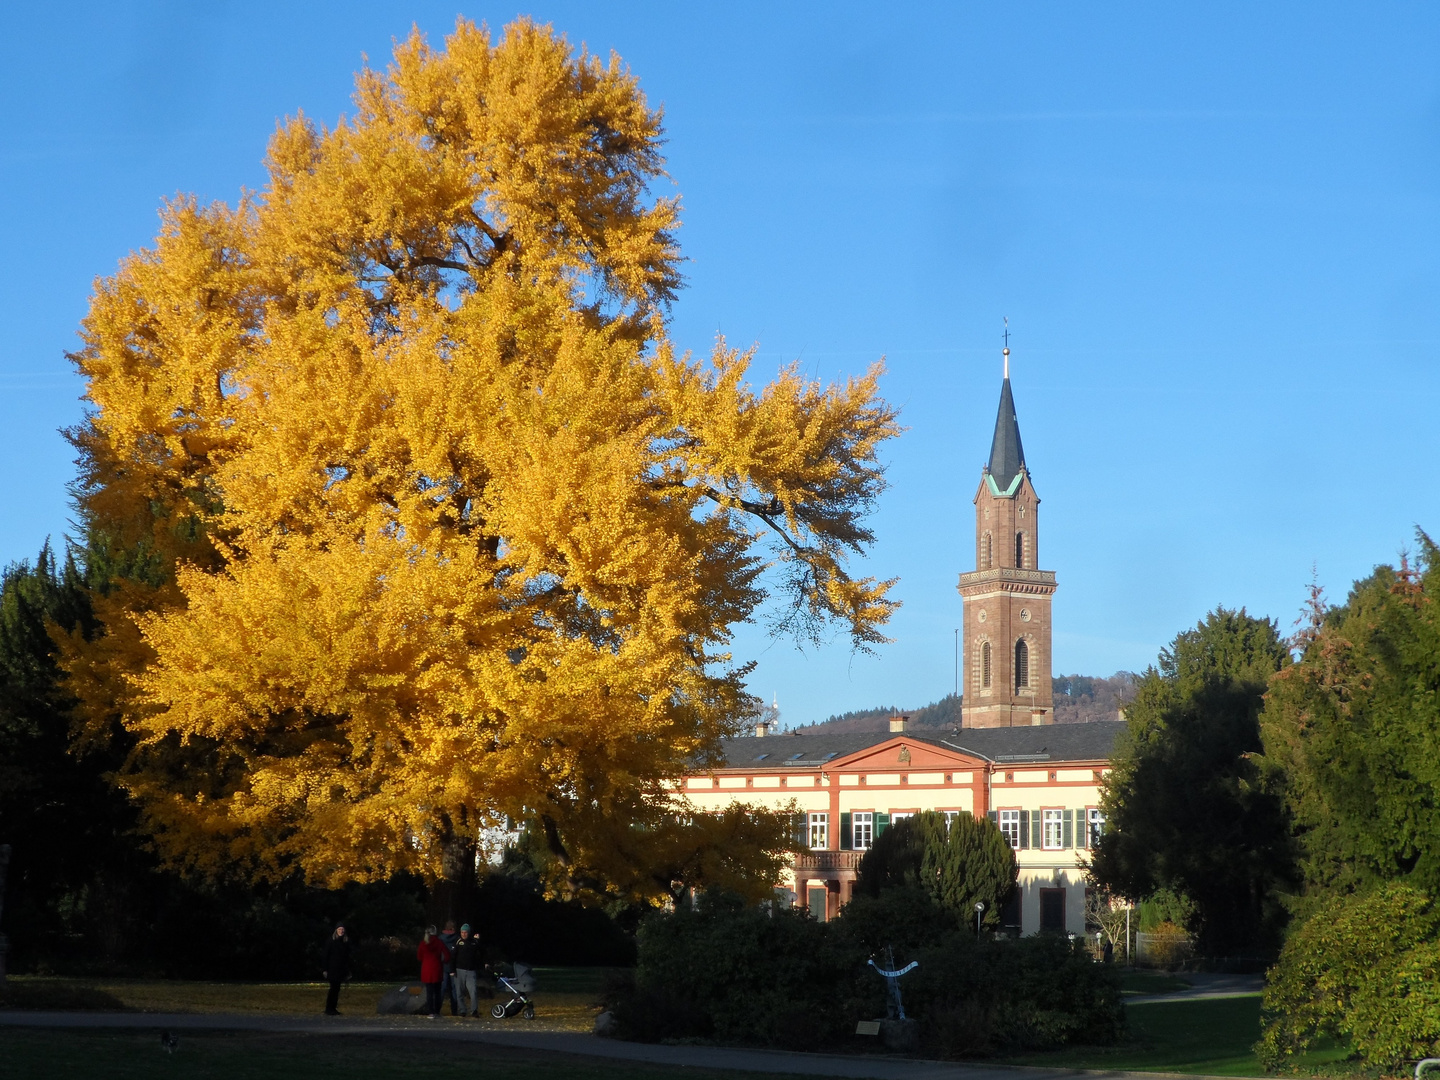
<point x="433" y="956"/>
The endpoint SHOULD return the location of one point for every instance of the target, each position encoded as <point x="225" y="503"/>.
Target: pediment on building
<point x="904" y="751"/>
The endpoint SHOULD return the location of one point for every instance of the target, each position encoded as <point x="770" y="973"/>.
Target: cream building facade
<point x="1040" y="785"/>
<point x="1038" y="781"/>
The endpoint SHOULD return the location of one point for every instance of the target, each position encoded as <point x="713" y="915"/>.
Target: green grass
<point x="33" y="1054"/>
<point x="567" y="998"/>
<point x="59" y="995"/>
<point x="1213" y="1036"/>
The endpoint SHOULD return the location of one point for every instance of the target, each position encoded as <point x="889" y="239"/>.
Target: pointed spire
<point x="1007" y="455"/>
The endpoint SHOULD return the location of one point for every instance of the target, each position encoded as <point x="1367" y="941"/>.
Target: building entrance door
<point x="817" y="903"/>
<point x="1052" y="910"/>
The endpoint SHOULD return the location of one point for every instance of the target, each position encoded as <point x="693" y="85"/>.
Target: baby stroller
<point x="518" y="984"/>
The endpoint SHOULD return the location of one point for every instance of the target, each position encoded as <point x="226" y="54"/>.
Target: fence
<point x="1163" y="950"/>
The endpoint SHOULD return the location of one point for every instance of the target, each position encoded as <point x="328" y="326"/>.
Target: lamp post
<point x="979" y="911"/>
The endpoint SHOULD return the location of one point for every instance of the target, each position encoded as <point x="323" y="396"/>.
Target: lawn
<point x="567" y="998"/>
<point x="34" y="1054"/>
<point x="1211" y="1036"/>
<point x="1201" y="1035"/>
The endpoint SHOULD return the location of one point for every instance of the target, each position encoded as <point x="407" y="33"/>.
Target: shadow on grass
<point x="56" y="996"/>
<point x="36" y="1054"/>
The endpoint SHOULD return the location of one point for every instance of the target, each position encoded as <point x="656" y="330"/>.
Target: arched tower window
<point x="1020" y="549"/>
<point x="985" y="665"/>
<point x="1022" y="665"/>
<point x="987" y="551"/>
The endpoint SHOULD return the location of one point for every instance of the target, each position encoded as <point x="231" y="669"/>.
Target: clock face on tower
<point x="1006" y="597"/>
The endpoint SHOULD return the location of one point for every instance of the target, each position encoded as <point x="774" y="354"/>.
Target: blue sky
<point x="1214" y="233"/>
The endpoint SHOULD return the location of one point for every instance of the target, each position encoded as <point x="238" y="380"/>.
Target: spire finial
<point x="1006" y="350"/>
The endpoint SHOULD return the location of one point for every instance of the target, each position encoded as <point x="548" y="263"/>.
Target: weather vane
<point x="1006" y="350"/>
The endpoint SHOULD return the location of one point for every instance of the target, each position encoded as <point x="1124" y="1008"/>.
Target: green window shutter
<point x="882" y="822"/>
<point x="847" y="836"/>
<point x="1037" y="834"/>
<point x="1024" y="828"/>
<point x="994" y="817"/>
<point x="797" y="830"/>
<point x="1069" y="840"/>
<point x="1082" y="832"/>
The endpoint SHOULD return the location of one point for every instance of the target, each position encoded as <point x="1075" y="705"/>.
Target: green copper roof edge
<point x="1009" y="491"/>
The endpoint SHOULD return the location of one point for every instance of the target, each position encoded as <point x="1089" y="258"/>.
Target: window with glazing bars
<point x="819" y="831"/>
<point x="1010" y="826"/>
<point x="1054" y="835"/>
<point x="862" y="830"/>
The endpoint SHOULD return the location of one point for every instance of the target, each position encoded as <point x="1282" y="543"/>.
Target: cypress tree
<point x="957" y="865"/>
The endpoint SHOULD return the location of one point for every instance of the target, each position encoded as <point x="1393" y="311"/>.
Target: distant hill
<point x="1079" y="699"/>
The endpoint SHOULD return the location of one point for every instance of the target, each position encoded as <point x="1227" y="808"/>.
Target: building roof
<point x="1050" y="742"/>
<point x="1047" y="742"/>
<point x="801" y="749"/>
<point x="1007" y="455"/>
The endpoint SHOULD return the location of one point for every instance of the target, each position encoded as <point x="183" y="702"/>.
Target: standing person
<point x="433" y="956"/>
<point x="447" y="987"/>
<point x="467" y="965"/>
<point x="337" y="968"/>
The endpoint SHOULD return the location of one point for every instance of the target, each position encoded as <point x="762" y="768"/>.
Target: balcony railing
<point x="1007" y="573"/>
<point x="827" y="860"/>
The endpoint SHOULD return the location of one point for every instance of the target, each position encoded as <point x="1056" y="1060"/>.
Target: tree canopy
<point x="1188" y="807"/>
<point x="957" y="864"/>
<point x="413" y="520"/>
<point x="1354" y="728"/>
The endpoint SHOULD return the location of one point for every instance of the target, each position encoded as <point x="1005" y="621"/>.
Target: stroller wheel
<point x="497" y="1011"/>
<point x="529" y="1013"/>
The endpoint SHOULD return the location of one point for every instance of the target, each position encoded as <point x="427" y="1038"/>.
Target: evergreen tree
<point x="1354" y="727"/>
<point x="1188" y="807"/>
<point x="957" y="865"/>
<point x="64" y="822"/>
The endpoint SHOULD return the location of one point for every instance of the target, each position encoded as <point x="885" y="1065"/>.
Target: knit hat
<point x="465" y="926"/>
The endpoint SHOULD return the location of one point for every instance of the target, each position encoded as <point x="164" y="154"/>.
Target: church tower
<point x="1006" y="598"/>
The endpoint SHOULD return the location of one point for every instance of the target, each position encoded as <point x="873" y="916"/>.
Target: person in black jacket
<point x="467" y="964"/>
<point x="337" y="968"/>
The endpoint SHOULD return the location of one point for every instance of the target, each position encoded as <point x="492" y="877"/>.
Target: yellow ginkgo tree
<point x="407" y="519"/>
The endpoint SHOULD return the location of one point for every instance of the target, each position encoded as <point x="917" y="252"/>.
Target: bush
<point x="1166" y="946"/>
<point x="1037" y="993"/>
<point x="1362" y="969"/>
<point x="721" y="970"/>
<point x="732" y="973"/>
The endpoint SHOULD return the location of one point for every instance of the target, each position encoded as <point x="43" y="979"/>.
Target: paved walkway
<point x="1206" y="985"/>
<point x="713" y="1057"/>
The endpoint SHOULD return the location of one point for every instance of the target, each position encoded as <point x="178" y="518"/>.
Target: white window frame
<point x="1010" y="826"/>
<point x="1052" y="830"/>
<point x="950" y="816"/>
<point x="900" y="815"/>
<point x="862" y="829"/>
<point x="1094" y="824"/>
<point x="819" y="833"/>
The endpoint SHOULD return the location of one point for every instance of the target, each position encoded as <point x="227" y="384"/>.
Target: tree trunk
<point x="454" y="895"/>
